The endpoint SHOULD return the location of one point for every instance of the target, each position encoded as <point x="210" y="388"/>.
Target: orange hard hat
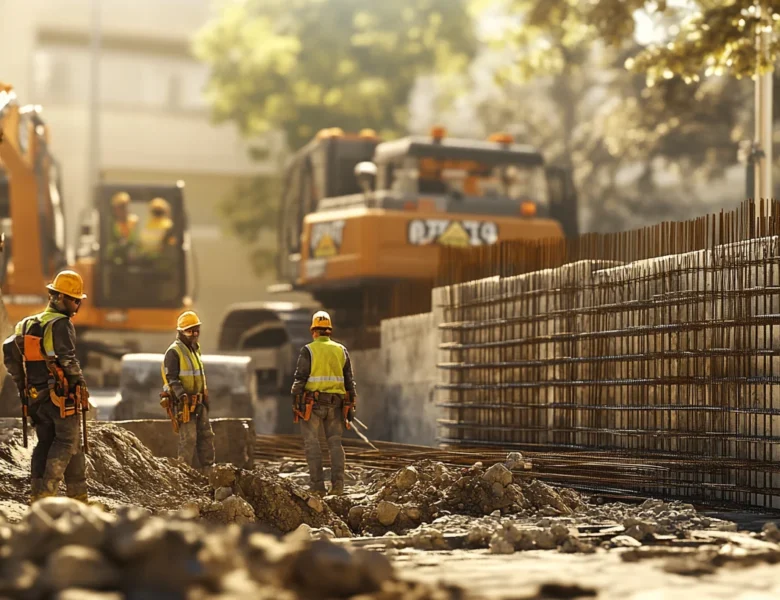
<point x="187" y="320"/>
<point x="69" y="283"/>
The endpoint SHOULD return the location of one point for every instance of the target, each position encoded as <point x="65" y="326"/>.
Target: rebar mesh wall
<point x="673" y="358"/>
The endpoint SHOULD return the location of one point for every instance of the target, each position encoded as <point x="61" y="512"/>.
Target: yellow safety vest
<point x="46" y="318"/>
<point x="191" y="372"/>
<point x="153" y="235"/>
<point x="327" y="366"/>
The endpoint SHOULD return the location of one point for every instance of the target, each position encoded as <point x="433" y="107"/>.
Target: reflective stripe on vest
<point x="46" y="318"/>
<point x="191" y="372"/>
<point x="327" y="366"/>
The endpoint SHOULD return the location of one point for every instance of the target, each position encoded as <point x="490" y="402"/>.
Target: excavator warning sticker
<point x="422" y="232"/>
<point x="326" y="238"/>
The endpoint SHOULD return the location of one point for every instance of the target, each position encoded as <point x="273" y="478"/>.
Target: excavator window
<point x="473" y="178"/>
<point x="142" y="248"/>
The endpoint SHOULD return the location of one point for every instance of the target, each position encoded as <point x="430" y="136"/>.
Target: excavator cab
<point x="142" y="245"/>
<point x="357" y="212"/>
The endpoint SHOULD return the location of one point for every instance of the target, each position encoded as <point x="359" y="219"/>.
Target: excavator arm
<point x="24" y="160"/>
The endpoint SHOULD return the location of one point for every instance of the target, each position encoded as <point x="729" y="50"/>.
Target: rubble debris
<point x="65" y="549"/>
<point x="241" y="496"/>
<point x="426" y="490"/>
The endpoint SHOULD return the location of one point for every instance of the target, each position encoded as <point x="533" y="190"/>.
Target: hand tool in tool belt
<point x="70" y="402"/>
<point x="189" y="405"/>
<point x="303" y="405"/>
<point x="350" y="405"/>
<point x="82" y="403"/>
<point x="168" y="402"/>
<point x="25" y="395"/>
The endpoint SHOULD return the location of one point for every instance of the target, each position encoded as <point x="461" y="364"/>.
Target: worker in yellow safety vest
<point x="185" y="395"/>
<point x="325" y="396"/>
<point x="157" y="233"/>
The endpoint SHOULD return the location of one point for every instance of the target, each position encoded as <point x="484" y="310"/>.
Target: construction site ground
<point x="413" y="524"/>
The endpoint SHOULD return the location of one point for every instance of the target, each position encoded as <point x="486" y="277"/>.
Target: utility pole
<point x="93" y="167"/>
<point x="763" y="114"/>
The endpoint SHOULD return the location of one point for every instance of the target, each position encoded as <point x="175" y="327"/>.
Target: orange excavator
<point x="359" y="215"/>
<point x="132" y="251"/>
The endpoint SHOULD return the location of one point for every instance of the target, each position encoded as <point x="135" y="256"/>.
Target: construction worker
<point x="123" y="241"/>
<point x="325" y="395"/>
<point x="184" y="380"/>
<point x="41" y="357"/>
<point x="157" y="234"/>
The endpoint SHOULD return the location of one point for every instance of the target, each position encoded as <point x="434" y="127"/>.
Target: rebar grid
<point x="660" y="342"/>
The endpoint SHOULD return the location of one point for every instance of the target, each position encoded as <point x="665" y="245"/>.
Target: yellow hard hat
<point x="186" y="320"/>
<point x="160" y="204"/>
<point x="321" y="320"/>
<point x="69" y="283"/>
<point x="120" y="198"/>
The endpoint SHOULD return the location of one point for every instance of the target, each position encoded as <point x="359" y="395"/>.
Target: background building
<point x="154" y="120"/>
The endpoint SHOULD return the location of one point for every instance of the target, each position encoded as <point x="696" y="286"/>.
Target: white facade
<point x="154" y="123"/>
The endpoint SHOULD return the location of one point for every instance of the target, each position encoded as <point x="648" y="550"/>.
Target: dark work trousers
<point x="327" y="412"/>
<point x="58" y="454"/>
<point x="197" y="437"/>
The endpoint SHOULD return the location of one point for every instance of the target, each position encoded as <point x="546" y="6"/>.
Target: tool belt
<point x="303" y="405"/>
<point x="70" y="402"/>
<point x="181" y="410"/>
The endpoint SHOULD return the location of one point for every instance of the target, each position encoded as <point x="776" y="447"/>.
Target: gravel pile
<point x="426" y="490"/>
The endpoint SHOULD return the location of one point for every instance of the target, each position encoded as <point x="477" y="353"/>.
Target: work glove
<point x="351" y="413"/>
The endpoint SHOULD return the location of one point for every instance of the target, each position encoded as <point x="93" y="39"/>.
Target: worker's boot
<point x="49" y="488"/>
<point x="318" y="489"/>
<point x="337" y="489"/>
<point x="36" y="487"/>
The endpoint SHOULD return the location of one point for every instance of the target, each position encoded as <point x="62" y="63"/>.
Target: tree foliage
<point x="251" y="213"/>
<point x="565" y="82"/>
<point x="718" y="38"/>
<point x="303" y="65"/>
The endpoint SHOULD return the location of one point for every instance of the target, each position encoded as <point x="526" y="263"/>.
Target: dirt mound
<point x="426" y="490"/>
<point x="122" y="470"/>
<point x="67" y="550"/>
<point x="277" y="503"/>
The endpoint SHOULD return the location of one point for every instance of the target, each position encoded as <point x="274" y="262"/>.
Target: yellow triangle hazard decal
<point x="326" y="247"/>
<point x="455" y="235"/>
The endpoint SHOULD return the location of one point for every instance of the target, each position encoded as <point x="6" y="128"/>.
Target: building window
<point x="127" y="80"/>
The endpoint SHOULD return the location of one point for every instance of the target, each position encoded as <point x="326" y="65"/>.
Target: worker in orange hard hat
<point x="324" y="393"/>
<point x="123" y="242"/>
<point x="41" y="358"/>
<point x="185" y="395"/>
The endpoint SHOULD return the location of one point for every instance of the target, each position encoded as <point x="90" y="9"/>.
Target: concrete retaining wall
<point x="234" y="439"/>
<point x="396" y="382"/>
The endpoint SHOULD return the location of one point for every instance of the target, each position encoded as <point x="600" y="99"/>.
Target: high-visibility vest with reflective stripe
<point x="327" y="366"/>
<point x="191" y="372"/>
<point x="37" y="372"/>
<point x="46" y="318"/>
